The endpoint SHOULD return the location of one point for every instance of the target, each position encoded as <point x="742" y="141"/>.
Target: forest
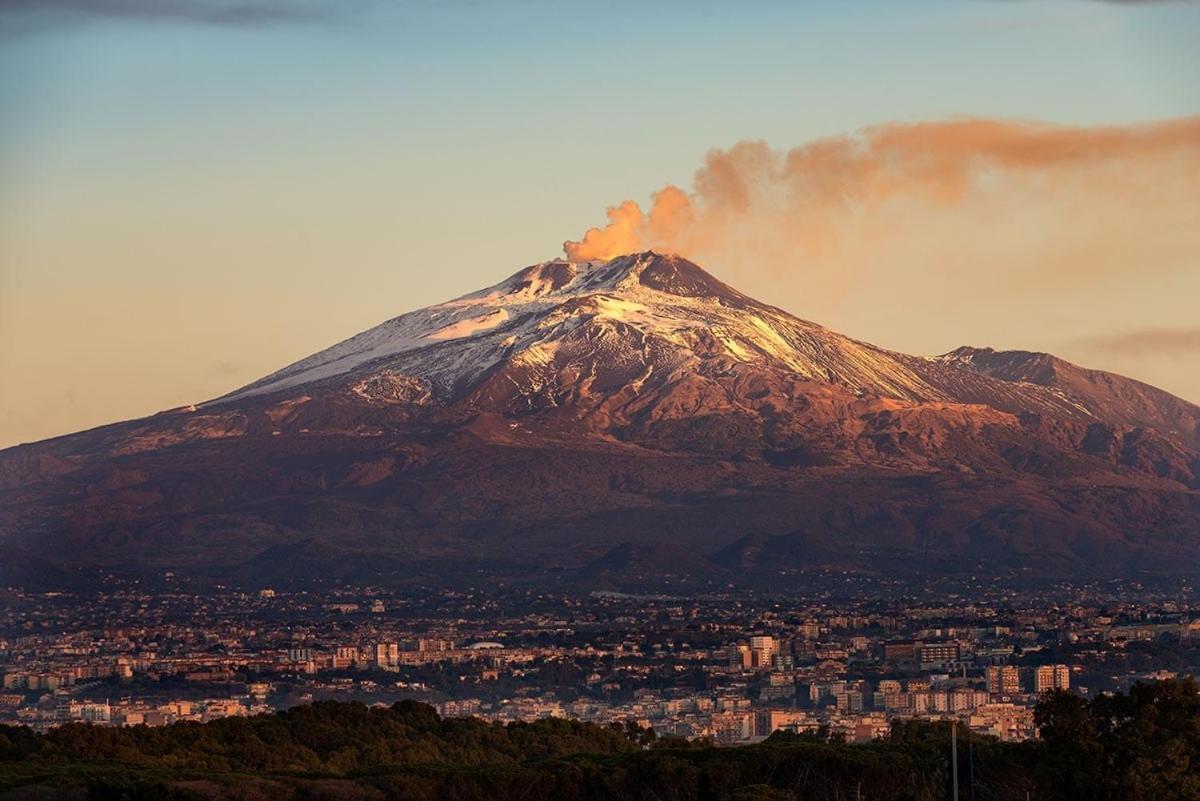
<point x="1142" y="745"/>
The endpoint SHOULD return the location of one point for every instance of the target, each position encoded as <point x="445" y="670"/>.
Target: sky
<point x="194" y="193"/>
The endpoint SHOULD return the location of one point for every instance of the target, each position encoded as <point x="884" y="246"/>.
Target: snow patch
<point x="470" y="326"/>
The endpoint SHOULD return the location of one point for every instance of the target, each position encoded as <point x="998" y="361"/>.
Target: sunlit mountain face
<point x="626" y="422"/>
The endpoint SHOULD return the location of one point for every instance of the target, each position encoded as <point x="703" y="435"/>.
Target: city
<point x="726" y="669"/>
<point x="572" y="401"/>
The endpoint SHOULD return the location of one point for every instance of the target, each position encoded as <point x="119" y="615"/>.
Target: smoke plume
<point x="976" y="194"/>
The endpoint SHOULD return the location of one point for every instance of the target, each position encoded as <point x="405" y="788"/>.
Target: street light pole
<point x="954" y="757"/>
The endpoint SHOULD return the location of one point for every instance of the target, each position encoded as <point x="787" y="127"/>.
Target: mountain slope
<point x="596" y="417"/>
<point x="1124" y="399"/>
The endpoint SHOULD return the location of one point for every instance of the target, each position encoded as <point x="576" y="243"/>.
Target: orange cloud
<point x="1150" y="342"/>
<point x="832" y="198"/>
<point x="622" y="235"/>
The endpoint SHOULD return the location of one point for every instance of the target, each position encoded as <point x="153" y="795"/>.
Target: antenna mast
<point x="954" y="757"/>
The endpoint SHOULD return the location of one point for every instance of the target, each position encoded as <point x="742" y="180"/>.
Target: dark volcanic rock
<point x="625" y="424"/>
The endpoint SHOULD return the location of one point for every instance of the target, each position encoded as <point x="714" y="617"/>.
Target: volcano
<point x="633" y="422"/>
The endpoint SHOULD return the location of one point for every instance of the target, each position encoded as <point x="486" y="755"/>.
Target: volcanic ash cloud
<point x="987" y="193"/>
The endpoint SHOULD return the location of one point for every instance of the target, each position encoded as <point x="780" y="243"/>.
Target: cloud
<point x="1141" y="2"/>
<point x="1174" y="342"/>
<point x="230" y="13"/>
<point x="991" y="205"/>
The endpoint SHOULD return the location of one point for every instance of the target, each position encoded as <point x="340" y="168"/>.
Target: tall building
<point x="849" y="701"/>
<point x="299" y="653"/>
<point x="938" y="653"/>
<point x="435" y="645"/>
<point x="387" y="654"/>
<point x="963" y="698"/>
<point x="739" y="656"/>
<point x="901" y="651"/>
<point x="1062" y="677"/>
<point x="1051" y="677"/>
<point x="345" y="656"/>
<point x="1003" y="680"/>
<point x="732" y="727"/>
<point x="778" y="686"/>
<point x="763" y="649"/>
<point x="917" y="685"/>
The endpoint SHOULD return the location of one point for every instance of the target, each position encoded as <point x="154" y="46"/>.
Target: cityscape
<point x="552" y="400"/>
<point x="730" y="669"/>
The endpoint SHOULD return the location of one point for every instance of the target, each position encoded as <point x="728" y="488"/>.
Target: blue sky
<point x="247" y="185"/>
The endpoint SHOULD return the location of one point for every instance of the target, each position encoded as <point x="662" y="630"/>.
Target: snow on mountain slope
<point x="662" y="297"/>
<point x="659" y="315"/>
<point x="573" y="407"/>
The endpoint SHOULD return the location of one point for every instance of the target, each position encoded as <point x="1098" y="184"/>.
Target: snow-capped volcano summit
<point x="454" y="343"/>
<point x="661" y="313"/>
<point x="563" y="329"/>
<point x="579" y="410"/>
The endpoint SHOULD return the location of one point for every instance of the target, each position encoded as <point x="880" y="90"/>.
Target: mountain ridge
<point x="632" y="407"/>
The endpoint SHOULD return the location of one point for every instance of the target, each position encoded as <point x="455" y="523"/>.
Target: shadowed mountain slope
<point x="604" y="420"/>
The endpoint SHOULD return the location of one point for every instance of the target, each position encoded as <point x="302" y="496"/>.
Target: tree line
<point x="1139" y="746"/>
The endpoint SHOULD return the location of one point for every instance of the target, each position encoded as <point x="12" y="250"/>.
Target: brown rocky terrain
<point x="636" y="422"/>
